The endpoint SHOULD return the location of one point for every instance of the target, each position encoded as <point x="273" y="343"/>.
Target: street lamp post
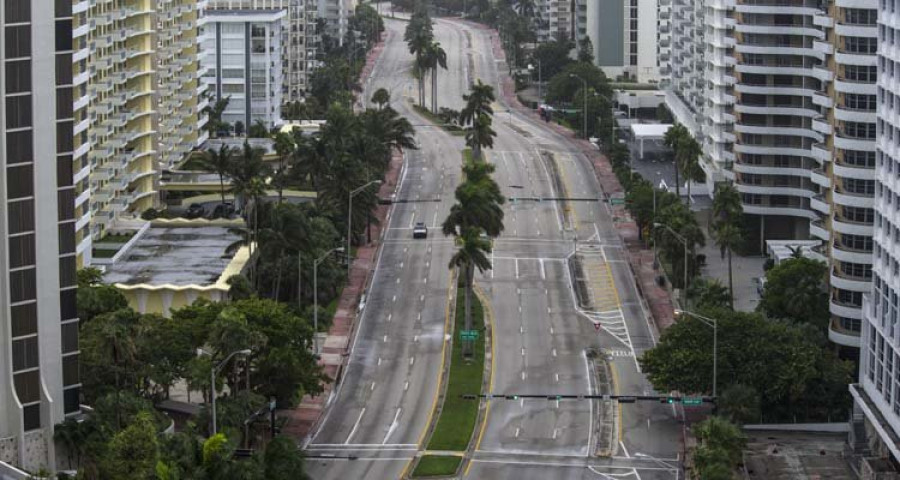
<point x="316" y="263"/>
<point x="353" y="193"/>
<point x="685" y="243"/>
<point x="709" y="322"/>
<point x="215" y="371"/>
<point x="584" y="112"/>
<point x="540" y="80"/>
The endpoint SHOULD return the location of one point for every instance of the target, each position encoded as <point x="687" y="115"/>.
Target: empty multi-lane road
<point x="543" y="330"/>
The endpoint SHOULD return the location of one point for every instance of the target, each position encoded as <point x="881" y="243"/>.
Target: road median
<point x="438" y="122"/>
<point x="456" y="418"/>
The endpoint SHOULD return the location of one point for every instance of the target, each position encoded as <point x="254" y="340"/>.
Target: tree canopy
<point x="796" y="289"/>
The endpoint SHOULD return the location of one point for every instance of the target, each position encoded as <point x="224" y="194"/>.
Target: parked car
<point x="420" y="230"/>
<point x="223" y="210"/>
<point x="195" y="210"/>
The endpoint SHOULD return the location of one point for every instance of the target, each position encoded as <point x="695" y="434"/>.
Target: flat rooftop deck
<point x="175" y="256"/>
<point x="773" y="455"/>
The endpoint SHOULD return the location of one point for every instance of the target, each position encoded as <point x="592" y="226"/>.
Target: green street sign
<point x="468" y="334"/>
<point x="617" y="201"/>
<point x="691" y="401"/>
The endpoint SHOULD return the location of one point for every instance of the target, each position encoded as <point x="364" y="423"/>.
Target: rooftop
<point x="175" y="256"/>
<point x="777" y="455"/>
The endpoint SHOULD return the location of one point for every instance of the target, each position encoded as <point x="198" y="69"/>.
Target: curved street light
<point x="353" y="193"/>
<point x="709" y="322"/>
<point x="215" y="371"/>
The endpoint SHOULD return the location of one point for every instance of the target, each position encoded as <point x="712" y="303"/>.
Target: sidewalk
<point x="640" y="258"/>
<point x="303" y="419"/>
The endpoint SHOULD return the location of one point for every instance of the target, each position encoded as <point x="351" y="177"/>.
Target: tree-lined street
<point x="543" y="332"/>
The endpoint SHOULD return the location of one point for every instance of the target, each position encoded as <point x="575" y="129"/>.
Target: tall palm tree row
<point x="477" y="117"/>
<point x="434" y="57"/>
<point x="419" y="37"/>
<point x="477" y="215"/>
<point x="687" y="152"/>
<point x="728" y="212"/>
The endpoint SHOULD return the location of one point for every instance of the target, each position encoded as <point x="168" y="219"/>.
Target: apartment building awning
<point x="648" y="131"/>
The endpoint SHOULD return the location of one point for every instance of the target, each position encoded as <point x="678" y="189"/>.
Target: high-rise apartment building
<point x="336" y="14"/>
<point x="554" y="20"/>
<point x="782" y="97"/>
<point x="122" y="85"/>
<point x="178" y="95"/>
<point x="299" y="45"/>
<point x="877" y="396"/>
<point x="39" y="375"/>
<point x="241" y="55"/>
<point x="626" y="36"/>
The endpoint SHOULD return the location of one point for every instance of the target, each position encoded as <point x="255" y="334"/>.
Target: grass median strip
<point x="436" y="465"/>
<point x="458" y="416"/>
<point x="451" y="129"/>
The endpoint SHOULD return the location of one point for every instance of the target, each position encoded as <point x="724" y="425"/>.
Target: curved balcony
<point x="852" y="200"/>
<point x="777" y="9"/>
<point x="853" y="115"/>
<point x="819" y="204"/>
<point x="822" y="99"/>
<point x="846" y="254"/>
<point x="770" y="170"/>
<point x="846" y="143"/>
<point x="820" y="152"/>
<point x="785" y="50"/>
<point x="774" y="190"/>
<point x="859" y="173"/>
<point x="870" y="4"/>
<point x="840" y="225"/>
<point x="855" y="59"/>
<point x="775" y="110"/>
<point x="822" y="19"/>
<point x="841" y="336"/>
<point x="779" y="30"/>
<point x="772" y="150"/>
<point x="785" y="211"/>
<point x="822" y="73"/>
<point x="848" y="86"/>
<point x="844" y="310"/>
<point x="846" y="30"/>
<point x="820" y="177"/>
<point x="777" y="130"/>
<point x="850" y="283"/>
<point x="818" y="230"/>
<point x="774" y="89"/>
<point x="821" y="125"/>
<point x="823" y="46"/>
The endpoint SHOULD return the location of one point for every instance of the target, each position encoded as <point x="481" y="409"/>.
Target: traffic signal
<point x="668" y="400"/>
<point x="512" y="397"/>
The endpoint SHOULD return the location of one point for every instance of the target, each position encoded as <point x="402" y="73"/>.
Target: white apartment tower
<point x="336" y="14"/>
<point x="781" y="95"/>
<point x="627" y="36"/>
<point x="241" y="55"/>
<point x="554" y="20"/>
<point x="877" y="396"/>
<point x="39" y="372"/>
<point x="299" y="45"/>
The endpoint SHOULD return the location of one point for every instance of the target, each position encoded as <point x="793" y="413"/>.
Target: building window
<point x="31" y="417"/>
<point x="857" y="101"/>
<point x="72" y="400"/>
<point x="18" y="76"/>
<point x="24" y="319"/>
<point x="18" y="11"/>
<point x="19" y="147"/>
<point x="859" y="187"/>
<point x="860" y="16"/>
<point x="25" y="354"/>
<point x="860" y="130"/>
<point x="21" y="251"/>
<point x="19" y="181"/>
<point x="859" y="158"/>
<point x="68" y="304"/>
<point x="71" y="375"/>
<point x="22" y="285"/>
<point x="18" y="41"/>
<point x="63" y="35"/>
<point x="18" y="111"/>
<point x="861" y="45"/>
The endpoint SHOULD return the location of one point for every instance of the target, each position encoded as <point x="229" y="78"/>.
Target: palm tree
<point x="726" y="204"/>
<point x="728" y="237"/>
<point x="480" y="135"/>
<point x="310" y="159"/>
<point x="471" y="254"/>
<point x="419" y="36"/>
<point x="478" y="203"/>
<point x="689" y="152"/>
<point x="478" y="103"/>
<point x="219" y="162"/>
<point x="673" y="139"/>
<point x="381" y="97"/>
<point x="247" y="168"/>
<point x="284" y="146"/>
<point x="214" y="112"/>
<point x="435" y="57"/>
